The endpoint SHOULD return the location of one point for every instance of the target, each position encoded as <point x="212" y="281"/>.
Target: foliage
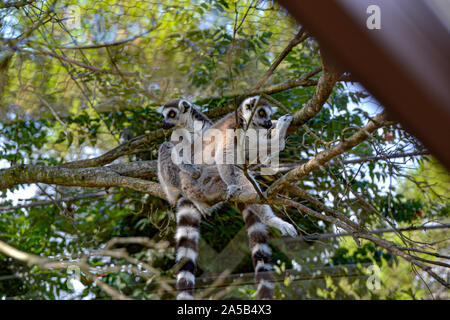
<point x="65" y="95"/>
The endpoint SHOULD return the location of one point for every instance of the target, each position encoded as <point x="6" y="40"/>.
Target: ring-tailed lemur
<point x="181" y="114"/>
<point x="198" y="194"/>
<point x="251" y="117"/>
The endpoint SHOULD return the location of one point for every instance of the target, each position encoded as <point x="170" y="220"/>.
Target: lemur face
<point x="262" y="114"/>
<point x="174" y="113"/>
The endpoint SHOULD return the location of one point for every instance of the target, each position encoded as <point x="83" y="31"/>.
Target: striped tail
<point x="261" y="253"/>
<point x="187" y="235"/>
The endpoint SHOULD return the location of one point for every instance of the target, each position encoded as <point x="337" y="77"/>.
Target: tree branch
<point x="78" y="63"/>
<point x="388" y="245"/>
<point x="324" y="88"/>
<point x="321" y="158"/>
<point x="385" y="157"/>
<point x="116" y="175"/>
<point x="299" y="37"/>
<point x="16" y="4"/>
<point x="46" y="263"/>
<point x="322" y="236"/>
<point x="109" y="44"/>
<point x="65" y="199"/>
<point x="289" y="166"/>
<point x="100" y="177"/>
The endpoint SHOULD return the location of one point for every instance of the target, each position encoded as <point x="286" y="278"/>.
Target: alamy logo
<point x="373" y="282"/>
<point x="374" y="19"/>
<point x="251" y="146"/>
<point x="73" y="276"/>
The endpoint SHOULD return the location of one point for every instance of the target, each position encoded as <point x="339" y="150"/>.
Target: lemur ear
<point x="184" y="106"/>
<point x="274" y="110"/>
<point x="250" y="102"/>
<point x="160" y="110"/>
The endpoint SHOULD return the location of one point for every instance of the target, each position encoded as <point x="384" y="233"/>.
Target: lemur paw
<point x="205" y="212"/>
<point x="232" y="190"/>
<point x="288" y="229"/>
<point x="192" y="169"/>
<point x="285" y="120"/>
<point x="204" y="209"/>
<point x="196" y="172"/>
<point x="284" y="227"/>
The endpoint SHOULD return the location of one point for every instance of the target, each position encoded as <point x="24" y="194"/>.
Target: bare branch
<point x="65" y="199"/>
<point x="299" y="37"/>
<point x="104" y="45"/>
<point x="322" y="236"/>
<point x="387" y="156"/>
<point x="388" y="245"/>
<point x="323" y="157"/>
<point x="16" y="4"/>
<point x="323" y="90"/>
<point x="103" y="177"/>
<point x="45" y="263"/>
<point x="78" y="63"/>
<point x="289" y="166"/>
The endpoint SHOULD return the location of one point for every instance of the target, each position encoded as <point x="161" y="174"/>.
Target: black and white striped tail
<point x="187" y="235"/>
<point x="261" y="253"/>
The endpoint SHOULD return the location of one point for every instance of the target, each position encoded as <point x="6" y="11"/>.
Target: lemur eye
<point x="171" y="114"/>
<point x="262" y="113"/>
